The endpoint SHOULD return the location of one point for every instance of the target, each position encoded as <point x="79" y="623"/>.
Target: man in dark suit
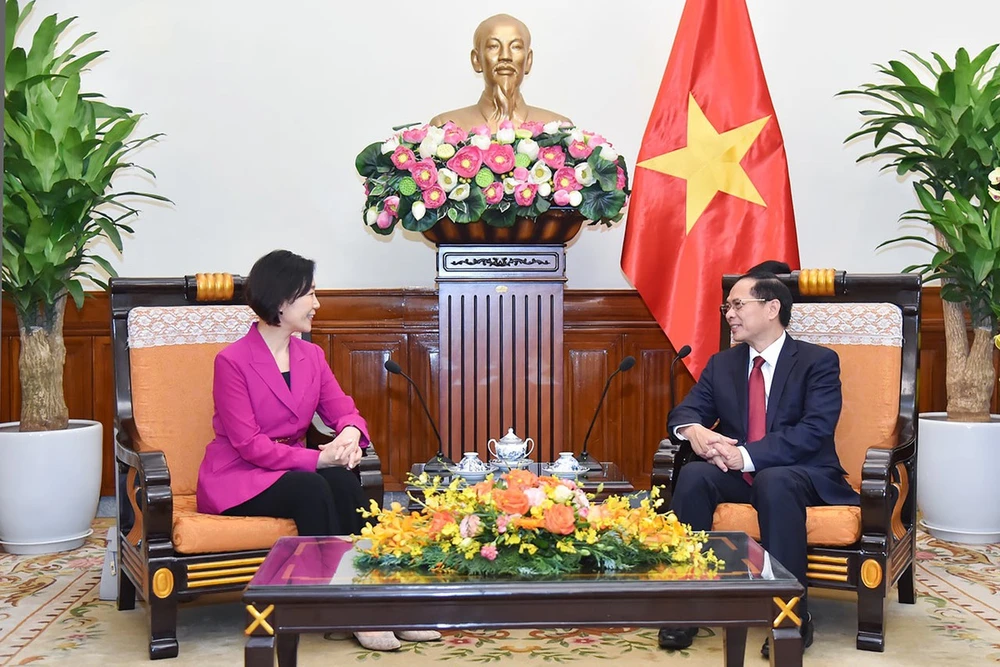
<point x="774" y="403"/>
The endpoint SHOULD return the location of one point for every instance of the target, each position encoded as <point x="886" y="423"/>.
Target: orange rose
<point x="511" y="501"/>
<point x="483" y="488"/>
<point x="521" y="479"/>
<point x="439" y="521"/>
<point x="560" y="519"/>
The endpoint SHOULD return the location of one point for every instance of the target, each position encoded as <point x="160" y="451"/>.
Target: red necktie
<point x="756" y="407"/>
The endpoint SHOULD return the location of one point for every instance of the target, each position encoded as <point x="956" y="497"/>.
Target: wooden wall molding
<point x="360" y="329"/>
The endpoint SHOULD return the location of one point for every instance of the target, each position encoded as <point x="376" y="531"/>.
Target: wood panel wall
<point x="360" y="329"/>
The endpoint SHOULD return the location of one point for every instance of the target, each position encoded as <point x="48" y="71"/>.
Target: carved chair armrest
<point x="886" y="488"/>
<point x="145" y="485"/>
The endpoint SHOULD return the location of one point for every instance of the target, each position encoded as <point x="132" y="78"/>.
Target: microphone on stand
<point x="439" y="463"/>
<point x="681" y="353"/>
<point x="586" y="461"/>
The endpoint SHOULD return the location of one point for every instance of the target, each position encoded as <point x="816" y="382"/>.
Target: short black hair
<point x="770" y="266"/>
<point x="277" y="278"/>
<point x="767" y="286"/>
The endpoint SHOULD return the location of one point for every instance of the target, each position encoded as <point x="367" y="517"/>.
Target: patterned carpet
<point x="50" y="614"/>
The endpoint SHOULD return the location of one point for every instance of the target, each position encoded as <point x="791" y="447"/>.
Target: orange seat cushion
<point x="196" y="533"/>
<point x="826" y="525"/>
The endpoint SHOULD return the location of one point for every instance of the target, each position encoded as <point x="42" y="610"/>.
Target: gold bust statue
<point x="501" y="52"/>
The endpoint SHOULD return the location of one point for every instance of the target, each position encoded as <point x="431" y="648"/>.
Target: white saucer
<point x="474" y="476"/>
<point x="515" y="464"/>
<point x="565" y="474"/>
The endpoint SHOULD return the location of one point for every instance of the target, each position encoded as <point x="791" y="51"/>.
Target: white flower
<point x="390" y="145"/>
<point x="447" y="179"/>
<point x="995" y="176"/>
<point x="481" y="141"/>
<point x="544" y="189"/>
<point x="418" y="210"/>
<point x="435" y="133"/>
<point x="584" y="174"/>
<point x="371" y="215"/>
<point x="576" y="135"/>
<point x="994" y="194"/>
<point x="561" y="494"/>
<point x="461" y="192"/>
<point x="575" y="198"/>
<point x="552" y="127"/>
<point x="510" y="184"/>
<point x="428" y="147"/>
<point x="540" y="173"/>
<point x="505" y="136"/>
<point x="608" y="153"/>
<point x="528" y="147"/>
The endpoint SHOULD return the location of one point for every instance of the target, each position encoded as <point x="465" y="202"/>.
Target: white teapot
<point x="510" y="447"/>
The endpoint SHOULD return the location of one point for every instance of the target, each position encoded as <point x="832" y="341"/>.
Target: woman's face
<point x="297" y="315"/>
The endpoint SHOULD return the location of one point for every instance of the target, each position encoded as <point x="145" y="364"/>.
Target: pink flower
<point x="535" y="127"/>
<point x="434" y="196"/>
<point x="524" y="194"/>
<point x="505" y="125"/>
<point x="415" y="135"/>
<point x="391" y="205"/>
<point x="595" y="139"/>
<point x="553" y="156"/>
<point x="466" y="161"/>
<point x="500" y="158"/>
<point x="561" y="197"/>
<point x="580" y="150"/>
<point x="565" y="179"/>
<point x="502" y="522"/>
<point x="621" y="179"/>
<point x="470" y="526"/>
<point x="481" y="129"/>
<point x="453" y="134"/>
<point x="536" y="496"/>
<point x="493" y="192"/>
<point x="424" y="173"/>
<point x="384" y="220"/>
<point x="403" y="157"/>
<point x="521" y="173"/>
<point x="489" y="552"/>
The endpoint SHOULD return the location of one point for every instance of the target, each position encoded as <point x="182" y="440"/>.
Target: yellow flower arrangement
<point x="522" y="524"/>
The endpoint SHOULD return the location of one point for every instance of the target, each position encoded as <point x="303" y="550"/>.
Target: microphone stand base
<point x="589" y="462"/>
<point x="439" y="464"/>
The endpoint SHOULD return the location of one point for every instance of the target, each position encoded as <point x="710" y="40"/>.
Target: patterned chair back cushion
<point x="868" y="337"/>
<point x="172" y="356"/>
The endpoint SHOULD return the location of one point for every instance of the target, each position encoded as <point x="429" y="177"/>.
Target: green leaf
<point x="600" y="205"/>
<point x="370" y="159"/>
<point x="76" y="291"/>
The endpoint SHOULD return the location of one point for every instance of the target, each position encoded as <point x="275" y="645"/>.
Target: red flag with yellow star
<point x="711" y="192"/>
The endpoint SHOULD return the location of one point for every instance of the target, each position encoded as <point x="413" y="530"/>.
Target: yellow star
<point x="710" y="162"/>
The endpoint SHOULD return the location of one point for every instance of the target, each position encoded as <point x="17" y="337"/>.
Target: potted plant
<point x="437" y="180"/>
<point x="62" y="149"/>
<point x="946" y="133"/>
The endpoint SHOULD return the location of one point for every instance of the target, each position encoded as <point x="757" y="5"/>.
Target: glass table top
<point x="329" y="561"/>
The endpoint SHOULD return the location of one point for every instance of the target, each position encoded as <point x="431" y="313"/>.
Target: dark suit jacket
<point x="802" y="412"/>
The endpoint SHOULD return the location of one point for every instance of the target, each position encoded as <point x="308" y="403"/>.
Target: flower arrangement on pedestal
<point x="522" y="524"/>
<point x="424" y="174"/>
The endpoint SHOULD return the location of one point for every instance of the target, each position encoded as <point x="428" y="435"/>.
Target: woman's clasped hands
<point x="344" y="450"/>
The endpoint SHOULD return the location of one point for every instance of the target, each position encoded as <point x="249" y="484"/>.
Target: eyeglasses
<point x="737" y="304"/>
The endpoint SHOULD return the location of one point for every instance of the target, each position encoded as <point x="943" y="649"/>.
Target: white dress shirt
<point x="770" y="354"/>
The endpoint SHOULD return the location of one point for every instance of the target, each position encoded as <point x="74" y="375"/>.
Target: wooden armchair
<point x="166" y="334"/>
<point x="872" y="322"/>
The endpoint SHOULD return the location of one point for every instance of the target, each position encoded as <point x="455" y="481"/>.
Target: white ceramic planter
<point x="957" y="490"/>
<point x="50" y="484"/>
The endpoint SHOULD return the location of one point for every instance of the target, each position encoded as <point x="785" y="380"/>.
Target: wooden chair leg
<point x="126" y="590"/>
<point x="871" y="618"/>
<point x="162" y="614"/>
<point x="906" y="595"/>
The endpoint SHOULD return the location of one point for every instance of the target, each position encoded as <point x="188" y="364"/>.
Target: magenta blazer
<point x="254" y="407"/>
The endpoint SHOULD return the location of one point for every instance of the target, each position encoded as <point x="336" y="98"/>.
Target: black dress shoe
<point x="807" y="637"/>
<point x="676" y="638"/>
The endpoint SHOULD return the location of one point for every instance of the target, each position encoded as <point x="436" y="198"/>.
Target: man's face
<point x="503" y="56"/>
<point x="755" y="320"/>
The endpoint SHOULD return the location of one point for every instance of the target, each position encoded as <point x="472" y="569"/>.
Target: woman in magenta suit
<point x="267" y="387"/>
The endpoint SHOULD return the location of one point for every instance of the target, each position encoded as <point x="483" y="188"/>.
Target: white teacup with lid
<point x="565" y="466"/>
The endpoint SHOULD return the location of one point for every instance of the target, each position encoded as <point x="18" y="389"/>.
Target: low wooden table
<point x="610" y="476"/>
<point x="310" y="584"/>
